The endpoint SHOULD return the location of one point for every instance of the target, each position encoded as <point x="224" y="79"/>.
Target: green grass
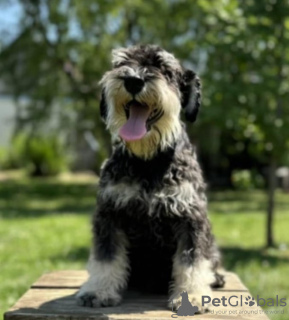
<point x="45" y="226"/>
<point x="239" y="220"/>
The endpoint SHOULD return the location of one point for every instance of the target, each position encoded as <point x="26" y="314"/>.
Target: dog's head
<point x="143" y="95"/>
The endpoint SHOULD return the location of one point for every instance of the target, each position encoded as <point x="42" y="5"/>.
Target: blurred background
<point x="52" y="141"/>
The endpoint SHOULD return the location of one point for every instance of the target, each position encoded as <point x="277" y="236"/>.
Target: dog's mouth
<point x="139" y="120"/>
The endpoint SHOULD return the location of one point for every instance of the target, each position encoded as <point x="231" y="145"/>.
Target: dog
<point x="150" y="229"/>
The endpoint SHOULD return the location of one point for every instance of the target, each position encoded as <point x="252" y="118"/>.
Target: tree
<point x="254" y="53"/>
<point x="240" y="49"/>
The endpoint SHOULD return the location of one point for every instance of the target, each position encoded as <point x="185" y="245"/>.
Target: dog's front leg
<point x="192" y="270"/>
<point x="107" y="266"/>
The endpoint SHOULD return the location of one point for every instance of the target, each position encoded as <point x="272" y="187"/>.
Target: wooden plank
<point x="70" y="279"/>
<point x="75" y="278"/>
<point x="53" y="297"/>
<point x="47" y="304"/>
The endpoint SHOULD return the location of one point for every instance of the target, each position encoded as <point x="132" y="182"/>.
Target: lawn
<point x="45" y="226"/>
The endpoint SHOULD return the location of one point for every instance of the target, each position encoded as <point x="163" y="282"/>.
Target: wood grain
<point x="74" y="279"/>
<point x="53" y="297"/>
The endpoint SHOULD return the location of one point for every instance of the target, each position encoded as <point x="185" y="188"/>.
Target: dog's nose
<point x="133" y="84"/>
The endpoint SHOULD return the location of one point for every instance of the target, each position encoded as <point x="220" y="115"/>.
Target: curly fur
<point x="150" y="229"/>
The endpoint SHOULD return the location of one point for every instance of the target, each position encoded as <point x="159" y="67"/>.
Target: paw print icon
<point x="249" y="301"/>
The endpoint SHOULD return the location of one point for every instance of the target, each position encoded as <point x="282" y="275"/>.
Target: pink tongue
<point x="135" y="127"/>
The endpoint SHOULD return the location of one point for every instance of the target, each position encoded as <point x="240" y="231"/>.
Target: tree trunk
<point x="271" y="203"/>
<point x="272" y="180"/>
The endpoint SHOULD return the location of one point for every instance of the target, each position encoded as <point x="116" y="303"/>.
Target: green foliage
<point x="100" y="158"/>
<point x="240" y="49"/>
<point x="41" y="155"/>
<point x="44" y="156"/>
<point x="247" y="180"/>
<point x="5" y="162"/>
<point x="242" y="179"/>
<point x="11" y="158"/>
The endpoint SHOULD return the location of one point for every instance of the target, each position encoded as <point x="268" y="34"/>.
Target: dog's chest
<point x="167" y="185"/>
<point x="163" y="200"/>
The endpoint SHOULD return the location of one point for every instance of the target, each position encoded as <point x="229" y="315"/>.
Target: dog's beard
<point x="163" y="105"/>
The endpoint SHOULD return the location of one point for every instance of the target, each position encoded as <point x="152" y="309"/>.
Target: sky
<point x="10" y="13"/>
<point x="9" y="16"/>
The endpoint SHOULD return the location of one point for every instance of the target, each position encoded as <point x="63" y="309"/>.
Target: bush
<point x="10" y="158"/>
<point x="3" y="158"/>
<point x="41" y="155"/>
<point x="247" y="180"/>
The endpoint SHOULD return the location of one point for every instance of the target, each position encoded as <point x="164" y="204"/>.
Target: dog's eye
<point x="120" y="64"/>
<point x="150" y="76"/>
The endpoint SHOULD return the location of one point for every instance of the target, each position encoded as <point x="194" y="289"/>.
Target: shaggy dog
<point x="150" y="229"/>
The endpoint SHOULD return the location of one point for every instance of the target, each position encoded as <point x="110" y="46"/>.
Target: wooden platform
<point x="52" y="297"/>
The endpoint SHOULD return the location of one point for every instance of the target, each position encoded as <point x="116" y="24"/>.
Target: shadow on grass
<point x="247" y="208"/>
<point x="79" y="254"/>
<point x="233" y="256"/>
<point x="43" y="189"/>
<point x="33" y="198"/>
<point x="243" y="201"/>
<point x="39" y="198"/>
<point x="17" y="213"/>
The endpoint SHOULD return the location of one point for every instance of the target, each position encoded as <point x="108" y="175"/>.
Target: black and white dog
<point x="150" y="229"/>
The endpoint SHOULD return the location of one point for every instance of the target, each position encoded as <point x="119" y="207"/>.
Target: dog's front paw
<point x="93" y="300"/>
<point x="94" y="297"/>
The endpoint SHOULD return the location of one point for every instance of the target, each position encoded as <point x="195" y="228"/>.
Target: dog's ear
<point x="103" y="106"/>
<point x="190" y="87"/>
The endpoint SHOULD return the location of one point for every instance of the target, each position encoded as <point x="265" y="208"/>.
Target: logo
<point x="235" y="301"/>
<point x="249" y="301"/>
<point x="186" y="308"/>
